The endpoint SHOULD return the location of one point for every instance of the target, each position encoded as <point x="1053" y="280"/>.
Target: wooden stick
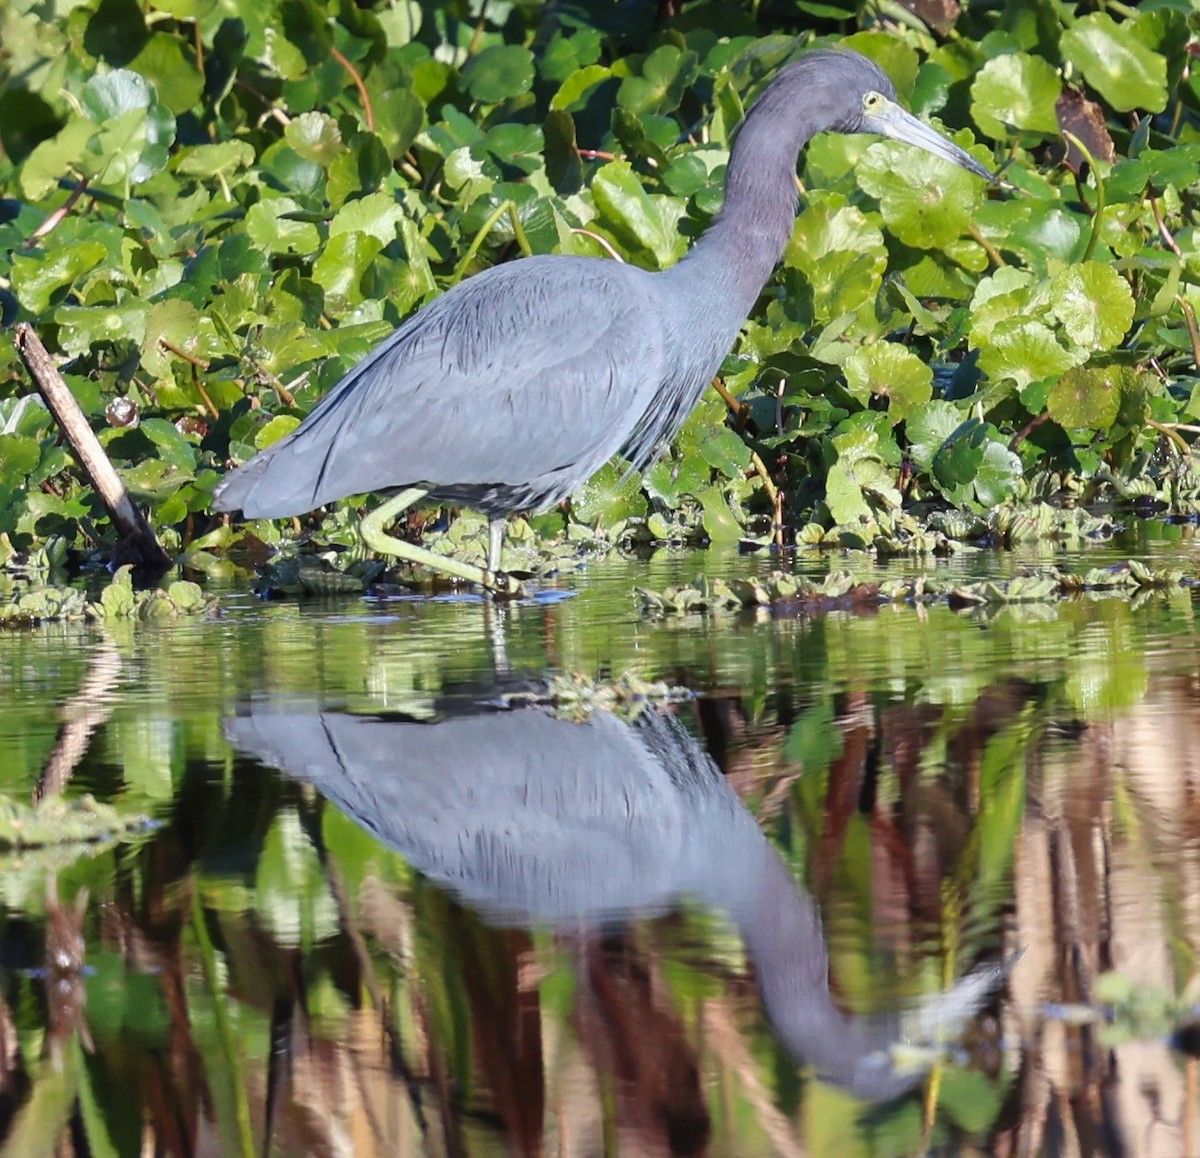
<point x="128" y="520"/>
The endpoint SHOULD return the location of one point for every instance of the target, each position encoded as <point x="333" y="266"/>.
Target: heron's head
<point x="878" y="112"/>
<point x="844" y="91"/>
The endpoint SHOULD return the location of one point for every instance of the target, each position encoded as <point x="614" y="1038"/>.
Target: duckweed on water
<point x="945" y="532"/>
<point x="329" y="573"/>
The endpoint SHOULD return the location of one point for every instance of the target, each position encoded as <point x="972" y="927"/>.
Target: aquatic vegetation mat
<point x="58" y="821"/>
<point x="35" y="603"/>
<point x="577" y="696"/>
<point x="842" y="591"/>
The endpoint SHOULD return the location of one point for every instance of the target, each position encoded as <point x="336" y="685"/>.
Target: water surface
<point x="857" y="895"/>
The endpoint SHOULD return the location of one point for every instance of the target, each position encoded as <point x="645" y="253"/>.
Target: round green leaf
<point x="81" y="328"/>
<point x="135" y="130"/>
<point x="666" y="74"/>
<point x="998" y="473"/>
<point x="1025" y="352"/>
<point x="725" y="451"/>
<point x="115" y="29"/>
<point x="341" y="267"/>
<point x="360" y="169"/>
<point x="498" y="73"/>
<point x="112" y="94"/>
<point x="636" y="218"/>
<point x="306" y="31"/>
<point x="1122" y="69"/>
<point x="399" y="115"/>
<point x="669" y="479"/>
<point x="841" y="254"/>
<point x="564" y="166"/>
<point x="271" y="432"/>
<point x="720" y="523"/>
<point x="19" y="454"/>
<point x="52" y="158"/>
<point x="958" y="459"/>
<point x="227" y="159"/>
<point x="609" y="496"/>
<point x="520" y="146"/>
<point x="39" y="276"/>
<point x="377" y="215"/>
<point x="1009" y="293"/>
<point x="927" y="202"/>
<point x="172" y="320"/>
<point x="315" y="137"/>
<point x="857" y="474"/>
<point x="574" y="91"/>
<point x="1085" y="397"/>
<point x="932" y="89"/>
<point x="1042" y="233"/>
<point x="269" y="228"/>
<point x="888" y="370"/>
<point x="171" y="70"/>
<point x="897" y="57"/>
<point x="400" y="22"/>
<point x="1177" y="166"/>
<point x="843" y="495"/>
<point x="1094" y="304"/>
<point x="568" y="51"/>
<point x="171" y="445"/>
<point x="1016" y="91"/>
<point x="927" y="429"/>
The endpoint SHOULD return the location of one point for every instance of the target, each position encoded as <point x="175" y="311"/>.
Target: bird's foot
<point x="501" y="585"/>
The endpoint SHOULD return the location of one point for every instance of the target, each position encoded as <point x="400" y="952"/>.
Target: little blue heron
<point x="514" y="387"/>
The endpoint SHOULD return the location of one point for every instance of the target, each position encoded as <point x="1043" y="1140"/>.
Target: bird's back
<point x="505" y="393"/>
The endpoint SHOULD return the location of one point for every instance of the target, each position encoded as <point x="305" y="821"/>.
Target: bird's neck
<point x="737" y="253"/>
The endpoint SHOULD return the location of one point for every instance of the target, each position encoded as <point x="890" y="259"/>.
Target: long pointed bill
<point x="889" y="120"/>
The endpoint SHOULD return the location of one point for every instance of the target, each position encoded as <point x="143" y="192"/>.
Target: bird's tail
<point x="264" y="488"/>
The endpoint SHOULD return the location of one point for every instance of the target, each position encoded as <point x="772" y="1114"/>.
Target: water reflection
<point x="262" y="975"/>
<point x="534" y="820"/>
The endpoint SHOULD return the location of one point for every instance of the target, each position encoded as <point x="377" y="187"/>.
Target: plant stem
<point x="368" y="112"/>
<point x="61" y="212"/>
<point x="1098" y="212"/>
<point x="519" y="230"/>
<point x="1177" y="440"/>
<point x="472" y="249"/>
<point x="1189" y="316"/>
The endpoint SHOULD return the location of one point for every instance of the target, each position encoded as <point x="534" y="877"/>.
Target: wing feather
<point x="523" y="379"/>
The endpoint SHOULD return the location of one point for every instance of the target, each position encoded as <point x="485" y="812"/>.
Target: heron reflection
<point x="534" y="820"/>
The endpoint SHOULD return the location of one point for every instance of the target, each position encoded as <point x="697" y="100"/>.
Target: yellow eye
<point x="871" y="101"/>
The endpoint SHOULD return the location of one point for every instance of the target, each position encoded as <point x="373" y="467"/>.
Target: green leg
<point x="373" y="534"/>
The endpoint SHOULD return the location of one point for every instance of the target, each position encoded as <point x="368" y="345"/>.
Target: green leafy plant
<point x="210" y="217"/>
